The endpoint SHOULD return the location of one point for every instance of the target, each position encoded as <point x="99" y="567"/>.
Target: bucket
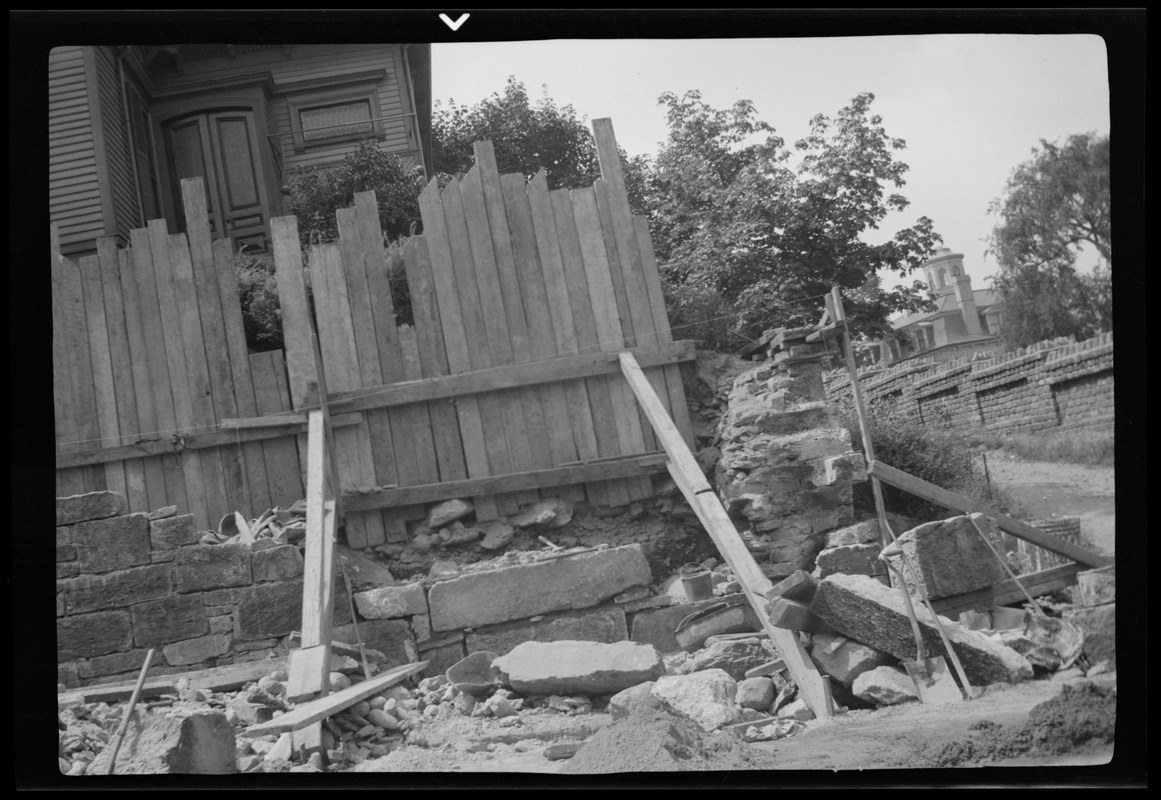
<point x="475" y="674"/>
<point x="697" y="581"/>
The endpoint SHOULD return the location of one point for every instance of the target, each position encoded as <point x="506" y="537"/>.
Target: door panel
<point x="221" y="147"/>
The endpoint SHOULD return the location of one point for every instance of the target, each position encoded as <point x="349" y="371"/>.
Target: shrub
<point x="937" y="456"/>
<point x="703" y="315"/>
<point x="258" y="294"/>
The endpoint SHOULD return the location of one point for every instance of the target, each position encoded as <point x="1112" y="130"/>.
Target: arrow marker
<point x="455" y="26"/>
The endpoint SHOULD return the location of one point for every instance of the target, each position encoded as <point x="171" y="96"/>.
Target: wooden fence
<point x="505" y="388"/>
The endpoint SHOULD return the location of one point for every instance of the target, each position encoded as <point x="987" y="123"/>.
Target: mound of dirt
<point x="659" y="741"/>
<point x="1082" y="717"/>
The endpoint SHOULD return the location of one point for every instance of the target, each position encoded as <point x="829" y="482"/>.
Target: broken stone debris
<point x="884" y="686"/>
<point x="950" y="556"/>
<point x="581" y="667"/>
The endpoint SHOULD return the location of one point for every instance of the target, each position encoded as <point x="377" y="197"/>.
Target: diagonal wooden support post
<point x="687" y="474"/>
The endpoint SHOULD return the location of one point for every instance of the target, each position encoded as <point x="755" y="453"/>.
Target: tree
<point x="527" y="137"/>
<point x="734" y="219"/>
<point x="1055" y="203"/>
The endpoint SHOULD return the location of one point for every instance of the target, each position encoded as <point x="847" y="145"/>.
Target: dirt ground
<point x="1060" y="721"/>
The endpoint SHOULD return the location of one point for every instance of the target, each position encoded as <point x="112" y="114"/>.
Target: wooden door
<point x="221" y="147"/>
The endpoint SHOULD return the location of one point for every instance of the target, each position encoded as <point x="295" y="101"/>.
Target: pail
<point x="697" y="581"/>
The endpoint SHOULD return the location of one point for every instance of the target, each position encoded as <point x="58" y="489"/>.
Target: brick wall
<point x="1053" y="384"/>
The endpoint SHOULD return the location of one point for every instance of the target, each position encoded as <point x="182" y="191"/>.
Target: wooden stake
<point x="129" y="712"/>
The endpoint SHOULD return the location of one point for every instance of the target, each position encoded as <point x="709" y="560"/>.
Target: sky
<point x="970" y="107"/>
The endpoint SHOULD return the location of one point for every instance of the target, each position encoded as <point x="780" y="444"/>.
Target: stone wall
<point x="1053" y="384"/>
<point x="130" y="582"/>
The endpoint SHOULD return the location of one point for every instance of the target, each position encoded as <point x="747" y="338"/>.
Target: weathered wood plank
<point x="318" y="589"/>
<point x="122" y="366"/>
<point x="965" y="505"/>
<point x="584" y="327"/>
<point x="454" y="335"/>
<point x="197" y="373"/>
<point x="507" y="377"/>
<point x="491" y="406"/>
<point x="152" y="470"/>
<point x="338" y="361"/>
<point x="308" y="713"/>
<point x="1007" y="592"/>
<point x="257" y="486"/>
<point x="560" y="314"/>
<point x="541" y="337"/>
<point x="102" y="368"/>
<point x="272" y="395"/>
<point x="608" y="326"/>
<point x="427" y="468"/>
<point x="532" y="419"/>
<point x="498" y="345"/>
<point x="217" y="355"/>
<point x="678" y="409"/>
<point x="432" y="359"/>
<point x="69" y="482"/>
<point x="620" y="467"/>
<point x="157" y="349"/>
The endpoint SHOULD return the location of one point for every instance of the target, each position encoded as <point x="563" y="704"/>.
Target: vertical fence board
<point x="67" y="414"/>
<point x="608" y="328"/>
<point x="256" y="485"/>
<point x="490" y="404"/>
<point x="104" y="393"/>
<point x="164" y="354"/>
<point x="339" y="364"/>
<point x="499" y="346"/>
<point x="122" y="365"/>
<point x="584" y="322"/>
<point x="427" y="468"/>
<point x="198" y="375"/>
<point x="271" y="394"/>
<point x="153" y="473"/>
<point x="508" y="283"/>
<point x="678" y="409"/>
<point x="433" y="360"/>
<point x="209" y="305"/>
<point x="541" y="337"/>
<point x="455" y="335"/>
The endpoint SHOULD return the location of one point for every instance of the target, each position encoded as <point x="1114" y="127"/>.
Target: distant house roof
<point x="947" y="303"/>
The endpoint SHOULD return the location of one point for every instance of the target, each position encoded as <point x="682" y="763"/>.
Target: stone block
<point x="633" y="700"/>
<point x="421" y="626"/>
<point x="207" y="567"/>
<point x="116" y="589"/>
<point x="793" y="615"/>
<point x="64" y="535"/>
<point x="96" y="634"/>
<point x="223" y="623"/>
<point x="885" y="686"/>
<point x="852" y="559"/>
<point x="845" y="659"/>
<point x="799" y="586"/>
<point x="276" y="564"/>
<point x="66" y="552"/>
<point x="115" y="543"/>
<point x="171" y="619"/>
<point x="605" y="625"/>
<point x="114" y="664"/>
<point x="223" y="597"/>
<point x="862" y="608"/>
<point x="448" y="512"/>
<point x="576" y="667"/>
<point x="162" y="556"/>
<point x="846" y="468"/>
<point x="1095" y="587"/>
<point x="94" y="505"/>
<point x="1099" y="624"/>
<point x="707" y="697"/>
<point x="195" y="651"/>
<point x="391" y="637"/>
<point x="859" y="533"/>
<point x="68" y="569"/>
<point x="525" y="590"/>
<point x="163" y="513"/>
<point x="392" y="602"/>
<point x="171" y="533"/>
<point x="269" y="609"/>
<point x="755" y="693"/>
<point x="175" y="742"/>
<point x="951" y="557"/>
<point x="735" y="657"/>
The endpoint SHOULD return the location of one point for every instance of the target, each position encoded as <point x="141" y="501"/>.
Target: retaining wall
<point x="130" y="582"/>
<point x="1053" y="384"/>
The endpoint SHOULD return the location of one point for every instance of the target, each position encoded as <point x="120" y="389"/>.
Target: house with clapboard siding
<point x="128" y="123"/>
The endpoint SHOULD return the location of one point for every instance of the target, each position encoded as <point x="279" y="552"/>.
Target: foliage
<point x="317" y="192"/>
<point x="937" y="456"/>
<point x="731" y="216"/>
<point x="701" y="314"/>
<point x="1090" y="448"/>
<point x="258" y="293"/>
<point x="1054" y="204"/>
<point x="527" y="137"/>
